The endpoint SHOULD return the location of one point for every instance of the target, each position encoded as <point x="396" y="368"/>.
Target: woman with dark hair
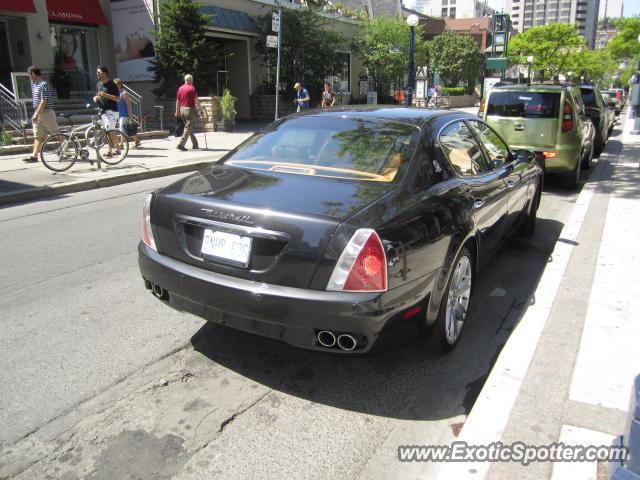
<point x="67" y="47"/>
<point x="137" y="46"/>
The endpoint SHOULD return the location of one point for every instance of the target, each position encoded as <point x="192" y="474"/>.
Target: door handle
<point x="478" y="203"/>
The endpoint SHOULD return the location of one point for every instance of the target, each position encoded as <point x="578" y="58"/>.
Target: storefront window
<point x="76" y="57"/>
<point x="341" y="81"/>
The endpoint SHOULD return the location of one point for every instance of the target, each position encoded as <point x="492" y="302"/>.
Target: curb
<point x="36" y="193"/>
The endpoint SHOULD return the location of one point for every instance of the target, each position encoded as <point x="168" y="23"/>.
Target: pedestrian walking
<point x="125" y="122"/>
<point x="187" y="102"/>
<point x="106" y="92"/>
<point x="44" y="116"/>
<point x="328" y="96"/>
<point x="302" y="97"/>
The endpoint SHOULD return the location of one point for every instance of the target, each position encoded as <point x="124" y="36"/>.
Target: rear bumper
<point x="291" y="315"/>
<point x="564" y="161"/>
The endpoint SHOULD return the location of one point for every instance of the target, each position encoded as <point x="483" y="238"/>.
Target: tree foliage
<point x="181" y="48"/>
<point x="456" y="58"/>
<point x="625" y="44"/>
<point x="384" y="47"/>
<point x="551" y="46"/>
<point x="589" y="65"/>
<point x="310" y="52"/>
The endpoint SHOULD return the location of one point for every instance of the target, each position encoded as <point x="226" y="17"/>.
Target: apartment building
<point x="532" y="13"/>
<point x="451" y="8"/>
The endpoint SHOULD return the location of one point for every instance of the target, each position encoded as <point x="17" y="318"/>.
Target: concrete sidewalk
<point x="21" y="182"/>
<point x="566" y="373"/>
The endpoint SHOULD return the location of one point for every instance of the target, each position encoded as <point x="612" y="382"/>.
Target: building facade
<point x="69" y="39"/>
<point x="451" y="8"/>
<point x="533" y="13"/>
<point x="610" y="8"/>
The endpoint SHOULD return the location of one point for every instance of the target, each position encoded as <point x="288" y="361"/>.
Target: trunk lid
<point x="525" y="118"/>
<point x="270" y="227"/>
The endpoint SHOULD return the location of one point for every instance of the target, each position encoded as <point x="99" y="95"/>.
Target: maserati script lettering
<point x="227" y="216"/>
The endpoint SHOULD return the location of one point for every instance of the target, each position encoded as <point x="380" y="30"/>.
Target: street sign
<point x="275" y="21"/>
<point x="497" y="63"/>
<point x="272" y="41"/>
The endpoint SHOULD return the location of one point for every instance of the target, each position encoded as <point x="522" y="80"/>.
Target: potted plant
<point x="228" y="109"/>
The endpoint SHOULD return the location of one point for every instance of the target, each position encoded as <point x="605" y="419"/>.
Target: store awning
<point x="85" y="11"/>
<point x="231" y="20"/>
<point x="21" y="6"/>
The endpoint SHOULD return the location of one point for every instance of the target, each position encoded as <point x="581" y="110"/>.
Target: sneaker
<point x="180" y="147"/>
<point x="30" y="160"/>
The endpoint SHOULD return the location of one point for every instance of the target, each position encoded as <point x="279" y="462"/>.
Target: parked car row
<point x="565" y="125"/>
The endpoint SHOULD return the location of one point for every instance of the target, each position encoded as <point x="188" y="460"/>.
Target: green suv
<point x="549" y="120"/>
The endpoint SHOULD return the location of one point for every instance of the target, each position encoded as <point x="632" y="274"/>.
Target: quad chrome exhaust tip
<point x="326" y="338"/>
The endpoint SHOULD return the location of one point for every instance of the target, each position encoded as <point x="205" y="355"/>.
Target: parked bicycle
<point x="61" y="150"/>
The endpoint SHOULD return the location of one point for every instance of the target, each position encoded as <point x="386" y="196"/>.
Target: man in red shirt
<point x="186" y="103"/>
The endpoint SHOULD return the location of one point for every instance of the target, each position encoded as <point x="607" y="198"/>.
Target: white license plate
<point x="227" y="246"/>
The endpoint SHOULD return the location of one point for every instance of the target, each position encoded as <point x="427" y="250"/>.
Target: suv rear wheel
<point x="570" y="180"/>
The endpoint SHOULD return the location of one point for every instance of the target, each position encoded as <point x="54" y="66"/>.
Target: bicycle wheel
<point x="112" y="146"/>
<point x="89" y="136"/>
<point x="59" y="152"/>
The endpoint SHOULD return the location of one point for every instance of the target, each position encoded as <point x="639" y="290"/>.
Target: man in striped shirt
<point x="44" y="118"/>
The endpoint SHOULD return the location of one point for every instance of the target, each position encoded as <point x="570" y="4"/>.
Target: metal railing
<point x="11" y="112"/>
<point x="136" y="105"/>
<point x="70" y="84"/>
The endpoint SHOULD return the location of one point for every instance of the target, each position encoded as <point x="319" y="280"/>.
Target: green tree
<point x="625" y="44"/>
<point x="592" y="65"/>
<point x="456" y="58"/>
<point x="384" y="46"/>
<point x="310" y="52"/>
<point x="181" y="48"/>
<point x="551" y="46"/>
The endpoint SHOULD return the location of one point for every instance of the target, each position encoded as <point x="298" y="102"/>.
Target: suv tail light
<point x="567" y="118"/>
<point x="362" y="267"/>
<point x="147" y="233"/>
<point x="481" y="109"/>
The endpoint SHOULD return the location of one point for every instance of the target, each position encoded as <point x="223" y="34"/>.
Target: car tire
<point x="599" y="147"/>
<point x="571" y="180"/>
<point x="454" y="306"/>
<point x="528" y="227"/>
<point x="588" y="160"/>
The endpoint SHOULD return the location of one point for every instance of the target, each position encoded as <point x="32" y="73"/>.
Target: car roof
<point x="541" y="87"/>
<point x="411" y="115"/>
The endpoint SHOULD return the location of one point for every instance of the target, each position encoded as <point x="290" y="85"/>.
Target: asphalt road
<point x="90" y="359"/>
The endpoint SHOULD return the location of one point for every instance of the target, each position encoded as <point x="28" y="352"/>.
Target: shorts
<point x="46" y="124"/>
<point x="122" y="124"/>
<point x="109" y="119"/>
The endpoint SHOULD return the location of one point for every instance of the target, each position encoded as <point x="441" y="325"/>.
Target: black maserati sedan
<point x="331" y="229"/>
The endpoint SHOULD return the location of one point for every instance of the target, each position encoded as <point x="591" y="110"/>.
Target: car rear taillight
<point x="549" y="154"/>
<point x="567" y="117"/>
<point x="362" y="267"/>
<point x="481" y="109"/>
<point x="147" y="233"/>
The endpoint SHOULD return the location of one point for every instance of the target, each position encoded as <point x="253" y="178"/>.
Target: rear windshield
<point x="373" y="150"/>
<point x="524" y="104"/>
<point x="588" y="96"/>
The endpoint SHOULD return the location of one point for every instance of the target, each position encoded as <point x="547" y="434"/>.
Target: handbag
<point x="179" y="130"/>
<point x="131" y="129"/>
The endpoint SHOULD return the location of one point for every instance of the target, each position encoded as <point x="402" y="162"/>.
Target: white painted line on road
<point x="490" y="413"/>
<point x="570" y="435"/>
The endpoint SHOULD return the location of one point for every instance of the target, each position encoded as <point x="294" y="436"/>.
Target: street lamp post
<point x="412" y="21"/>
<point x="529" y="61"/>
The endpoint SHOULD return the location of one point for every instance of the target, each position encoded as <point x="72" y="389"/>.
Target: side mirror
<point x="525" y="156"/>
